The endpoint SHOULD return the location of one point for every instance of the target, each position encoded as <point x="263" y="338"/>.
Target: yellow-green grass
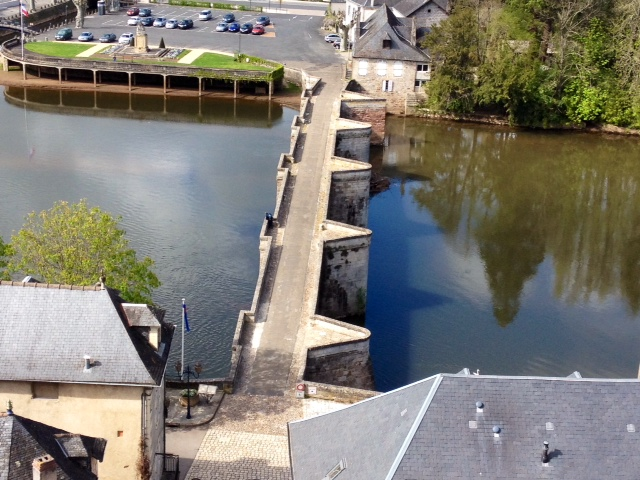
<point x="54" y="49"/>
<point x="226" y="62"/>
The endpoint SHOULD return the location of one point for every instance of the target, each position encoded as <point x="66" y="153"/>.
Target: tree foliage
<point x="539" y="62"/>
<point x="72" y="244"/>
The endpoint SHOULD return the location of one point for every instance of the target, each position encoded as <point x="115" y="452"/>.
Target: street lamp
<point x="195" y="373"/>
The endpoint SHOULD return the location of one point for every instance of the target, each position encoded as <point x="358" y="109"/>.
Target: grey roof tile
<point x="384" y="25"/>
<point x="46" y="331"/>
<point x="22" y="440"/>
<point x="590" y="436"/>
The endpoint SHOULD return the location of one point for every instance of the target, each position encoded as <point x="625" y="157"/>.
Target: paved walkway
<point x="276" y="331"/>
<point x="192" y="55"/>
<point x="247" y="439"/>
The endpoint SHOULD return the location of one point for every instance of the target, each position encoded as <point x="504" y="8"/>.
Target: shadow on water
<point x="206" y="110"/>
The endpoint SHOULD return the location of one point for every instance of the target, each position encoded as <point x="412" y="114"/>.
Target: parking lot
<point x="292" y="38"/>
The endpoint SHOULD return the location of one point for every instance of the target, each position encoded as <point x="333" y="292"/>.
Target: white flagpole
<point x="22" y="30"/>
<point x="182" y="363"/>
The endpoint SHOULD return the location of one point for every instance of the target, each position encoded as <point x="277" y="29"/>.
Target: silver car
<point x="160" y="22"/>
<point x="173" y="23"/>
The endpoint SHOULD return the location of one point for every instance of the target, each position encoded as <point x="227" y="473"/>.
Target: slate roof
<point x="375" y="3"/>
<point x="22" y="440"/>
<point x="592" y="426"/>
<point x="45" y="331"/>
<point x="383" y="25"/>
<point x="407" y="7"/>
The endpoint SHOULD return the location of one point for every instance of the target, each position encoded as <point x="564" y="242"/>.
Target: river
<point x="508" y="251"/>
<point x="191" y="179"/>
<point x="505" y="251"/>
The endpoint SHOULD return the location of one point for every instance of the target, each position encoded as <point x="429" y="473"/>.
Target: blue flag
<point x="186" y="317"/>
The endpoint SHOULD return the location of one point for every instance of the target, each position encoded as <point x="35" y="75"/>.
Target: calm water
<point x="507" y="251"/>
<point x="511" y="252"/>
<point x="191" y="179"/>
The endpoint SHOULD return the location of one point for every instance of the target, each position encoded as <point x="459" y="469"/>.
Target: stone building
<point x="388" y="64"/>
<point x="83" y="360"/>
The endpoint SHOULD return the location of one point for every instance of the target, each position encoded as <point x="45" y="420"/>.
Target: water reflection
<point x="208" y="110"/>
<point x="551" y="219"/>
<point x="191" y="185"/>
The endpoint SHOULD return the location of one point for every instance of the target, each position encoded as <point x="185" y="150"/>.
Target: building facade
<point x="82" y="360"/>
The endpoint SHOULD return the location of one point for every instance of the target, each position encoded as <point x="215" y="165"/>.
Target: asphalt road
<point x="295" y="38"/>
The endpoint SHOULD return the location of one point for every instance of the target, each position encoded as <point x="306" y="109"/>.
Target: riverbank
<point x="504" y="122"/>
<point x="13" y="78"/>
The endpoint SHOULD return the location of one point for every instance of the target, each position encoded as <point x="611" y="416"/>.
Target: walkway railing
<point x="11" y="51"/>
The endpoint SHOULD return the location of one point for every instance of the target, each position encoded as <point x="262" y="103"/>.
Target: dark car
<point x="228" y="18"/>
<point x="144" y="12"/>
<point x="147" y="21"/>
<point x="264" y="21"/>
<point x="234" y="27"/>
<point x="133" y="11"/>
<point x="108" y="38"/>
<point x="64" y="34"/>
<point x="185" y="24"/>
<point x="257" y="30"/>
<point x="246" y="27"/>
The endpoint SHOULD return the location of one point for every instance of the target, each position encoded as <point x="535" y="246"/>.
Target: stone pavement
<point x="248" y="438"/>
<point x="268" y="364"/>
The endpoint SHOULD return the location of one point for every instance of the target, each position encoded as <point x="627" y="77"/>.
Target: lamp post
<point x="195" y="373"/>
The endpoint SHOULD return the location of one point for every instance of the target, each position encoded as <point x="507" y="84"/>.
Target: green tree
<point x="72" y="244"/>
<point x="454" y="48"/>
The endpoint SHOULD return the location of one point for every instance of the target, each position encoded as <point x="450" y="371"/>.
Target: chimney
<point x="414" y="41"/>
<point x="87" y="363"/>
<point x="44" y="468"/>
<point x="545" y="452"/>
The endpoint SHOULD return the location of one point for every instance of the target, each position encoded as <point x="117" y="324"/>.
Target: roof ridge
<point x="55" y="286"/>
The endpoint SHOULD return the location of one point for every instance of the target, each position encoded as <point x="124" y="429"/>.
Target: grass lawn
<point x="215" y="60"/>
<point x="55" y="49"/>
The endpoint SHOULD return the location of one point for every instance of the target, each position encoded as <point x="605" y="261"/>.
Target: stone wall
<point x="366" y="109"/>
<point x="347" y="365"/>
<point x="372" y="82"/>
<point x="343" y="276"/>
<point x="349" y="194"/>
<point x="353" y="140"/>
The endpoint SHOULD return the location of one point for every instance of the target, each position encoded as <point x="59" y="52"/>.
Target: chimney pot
<point x="545" y="452"/>
<point x="87" y="362"/>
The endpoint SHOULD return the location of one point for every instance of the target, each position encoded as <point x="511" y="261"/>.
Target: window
<point x="363" y="67"/>
<point x="423" y="67"/>
<point x="397" y="69"/>
<point x="44" y="390"/>
<point x="382" y="68"/>
<point x="387" y="86"/>
<point x="386" y="43"/>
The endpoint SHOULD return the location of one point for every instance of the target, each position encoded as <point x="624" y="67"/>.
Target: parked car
<point x="222" y="27"/>
<point x="246" y="27"/>
<point x="145" y="12"/>
<point x="147" y="21"/>
<point x="64" y="34"/>
<point x="205" y="15"/>
<point x="234" y="27"/>
<point x="85" y="37"/>
<point x="257" y="30"/>
<point x="108" y="38"/>
<point x="125" y="38"/>
<point x="332" y="38"/>
<point x="229" y="17"/>
<point x="264" y="21"/>
<point x="185" y="24"/>
<point x="133" y="11"/>
<point x="172" y="23"/>
<point x="160" y="22"/>
<point x="133" y="21"/>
